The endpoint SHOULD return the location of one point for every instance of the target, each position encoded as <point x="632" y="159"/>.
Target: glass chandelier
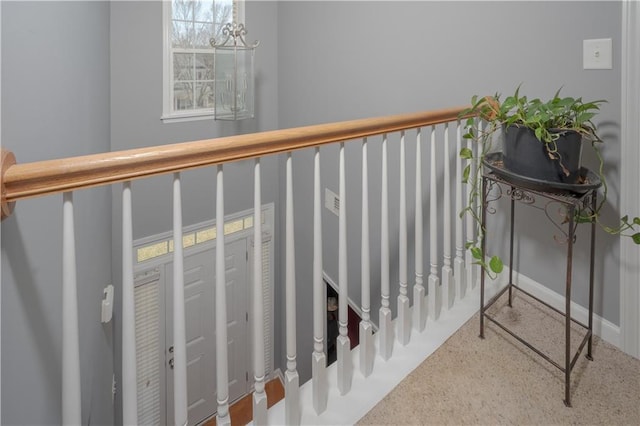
<point x="234" y="74"/>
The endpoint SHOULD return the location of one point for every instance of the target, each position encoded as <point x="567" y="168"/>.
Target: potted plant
<point x="542" y="144"/>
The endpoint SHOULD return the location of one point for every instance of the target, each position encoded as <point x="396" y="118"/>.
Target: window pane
<point x="204" y="66"/>
<point x="182" y="10"/>
<point x="182" y="34"/>
<point x="193" y="24"/>
<point x="183" y="66"/>
<point x="223" y="11"/>
<point x="203" y="11"/>
<point x="203" y="33"/>
<point x="182" y="96"/>
<point x="204" y="95"/>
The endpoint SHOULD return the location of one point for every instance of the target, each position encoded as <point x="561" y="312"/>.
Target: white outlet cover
<point x="597" y="54"/>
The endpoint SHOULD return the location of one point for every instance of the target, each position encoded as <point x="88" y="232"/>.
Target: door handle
<point x="171" y="363"/>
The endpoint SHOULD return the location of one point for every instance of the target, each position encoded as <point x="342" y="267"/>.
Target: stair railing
<point x="444" y="287"/>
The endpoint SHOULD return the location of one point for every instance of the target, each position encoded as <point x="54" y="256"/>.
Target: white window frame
<point x="168" y="114"/>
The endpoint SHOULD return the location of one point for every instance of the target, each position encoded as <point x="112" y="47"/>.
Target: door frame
<point x="629" y="176"/>
<point x="238" y="230"/>
<point x="166" y="374"/>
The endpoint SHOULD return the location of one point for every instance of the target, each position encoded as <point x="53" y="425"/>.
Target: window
<point x="188" y="56"/>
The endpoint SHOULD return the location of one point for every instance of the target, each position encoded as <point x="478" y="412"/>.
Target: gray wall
<point x="347" y="60"/>
<point x="91" y="82"/>
<point x="136" y="107"/>
<point x="55" y="103"/>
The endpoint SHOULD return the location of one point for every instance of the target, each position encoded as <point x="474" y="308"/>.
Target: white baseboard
<point x="602" y="328"/>
<point x="277" y="373"/>
<point x="366" y="392"/>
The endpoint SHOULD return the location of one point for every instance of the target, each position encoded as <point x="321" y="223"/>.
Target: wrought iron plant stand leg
<point x="571" y="202"/>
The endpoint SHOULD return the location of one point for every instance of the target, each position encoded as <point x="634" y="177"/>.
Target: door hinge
<point x="246" y="314"/>
<point x="246" y="376"/>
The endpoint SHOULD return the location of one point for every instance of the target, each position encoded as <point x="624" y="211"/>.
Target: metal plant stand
<point x="493" y="185"/>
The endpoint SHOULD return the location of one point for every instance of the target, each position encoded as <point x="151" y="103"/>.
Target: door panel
<point x="200" y="329"/>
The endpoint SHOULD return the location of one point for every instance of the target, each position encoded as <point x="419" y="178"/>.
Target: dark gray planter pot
<point x="527" y="156"/>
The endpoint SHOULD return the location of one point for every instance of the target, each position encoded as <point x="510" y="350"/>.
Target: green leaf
<point x="636" y="220"/>
<point x="539" y="133"/>
<point x="636" y="237"/>
<point x="476" y="253"/>
<point x="465" y="174"/>
<point x="466" y="153"/>
<point x="585" y="116"/>
<point x="496" y="264"/>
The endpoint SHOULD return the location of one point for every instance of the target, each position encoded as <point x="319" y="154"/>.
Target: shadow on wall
<point x="40" y="327"/>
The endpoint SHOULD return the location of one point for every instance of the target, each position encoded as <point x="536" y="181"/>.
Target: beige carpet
<point x="499" y="381"/>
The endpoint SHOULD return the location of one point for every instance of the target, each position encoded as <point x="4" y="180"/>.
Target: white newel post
<point x="291" y="385"/>
<point x="343" y="344"/>
<point x="318" y="358"/>
<point x="419" y="300"/>
<point x="222" y="364"/>
<point x="129" y="374"/>
<point x="386" y="331"/>
<point x="179" y="333"/>
<point x="366" y="328"/>
<point x="459" y="271"/>
<point x="434" y="296"/>
<point x="71" y="399"/>
<point x="259" y="395"/>
<point x="448" y="283"/>
<point x="404" y="313"/>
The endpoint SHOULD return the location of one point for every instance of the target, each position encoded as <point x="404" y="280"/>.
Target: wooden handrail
<point x="39" y="178"/>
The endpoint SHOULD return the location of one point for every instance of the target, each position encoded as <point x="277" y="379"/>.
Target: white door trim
<point x="630" y="176"/>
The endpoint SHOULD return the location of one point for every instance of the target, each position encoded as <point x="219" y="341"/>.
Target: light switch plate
<point x="597" y="54"/>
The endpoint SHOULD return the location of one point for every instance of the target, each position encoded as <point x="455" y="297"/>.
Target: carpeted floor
<point x="498" y="380"/>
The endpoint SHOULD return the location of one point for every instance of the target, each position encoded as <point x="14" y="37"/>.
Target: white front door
<point x="199" y="296"/>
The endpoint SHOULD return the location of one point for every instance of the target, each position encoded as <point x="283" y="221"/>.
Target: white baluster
<point x="459" y="271"/>
<point x="386" y="331"/>
<point x="470" y="223"/>
<point x="419" y="300"/>
<point x="179" y="330"/>
<point x="448" y="283"/>
<point x="259" y="394"/>
<point x="366" y="328"/>
<point x="129" y="374"/>
<point x="291" y="385"/>
<point x="71" y="399"/>
<point x="478" y="180"/>
<point x="404" y="314"/>
<point x="434" y="282"/>
<point x="318" y="358"/>
<point x="343" y="344"/>
<point x="222" y="364"/>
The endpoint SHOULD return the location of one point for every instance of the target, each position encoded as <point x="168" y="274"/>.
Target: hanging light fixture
<point x="234" y="74"/>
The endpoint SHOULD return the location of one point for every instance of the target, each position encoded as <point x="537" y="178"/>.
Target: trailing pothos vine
<point x="547" y="120"/>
